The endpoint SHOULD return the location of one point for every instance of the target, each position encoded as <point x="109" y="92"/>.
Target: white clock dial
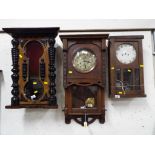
<point x="84" y="61"/>
<point x="126" y="53"/>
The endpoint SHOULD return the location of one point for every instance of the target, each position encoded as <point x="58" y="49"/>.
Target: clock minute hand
<point x="87" y="61"/>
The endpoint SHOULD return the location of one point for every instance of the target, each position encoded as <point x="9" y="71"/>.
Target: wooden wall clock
<point x="84" y="77"/>
<point x="126" y="66"/>
<point x="33" y="71"/>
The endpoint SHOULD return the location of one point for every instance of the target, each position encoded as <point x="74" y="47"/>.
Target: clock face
<point x="84" y="61"/>
<point x="126" y="53"/>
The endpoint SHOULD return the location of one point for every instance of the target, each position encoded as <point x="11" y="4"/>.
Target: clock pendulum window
<point x="33" y="68"/>
<point x="126" y="66"/>
<point x="84" y="77"/>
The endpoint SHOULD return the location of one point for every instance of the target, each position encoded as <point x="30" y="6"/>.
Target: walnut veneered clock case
<point x="33" y="71"/>
<point x="126" y="66"/>
<point x="84" y="77"/>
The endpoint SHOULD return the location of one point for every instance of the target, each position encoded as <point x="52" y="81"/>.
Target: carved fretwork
<point x="15" y="71"/>
<point x="52" y="69"/>
<point x="84" y="91"/>
<point x="24" y="70"/>
<point x="105" y="55"/>
<point x="42" y="69"/>
<point x="44" y="42"/>
<point x="65" y="68"/>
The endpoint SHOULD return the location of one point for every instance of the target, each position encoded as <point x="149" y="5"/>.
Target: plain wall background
<point x="124" y="116"/>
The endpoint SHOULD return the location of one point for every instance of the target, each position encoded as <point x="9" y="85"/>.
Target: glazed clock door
<point x="84" y="78"/>
<point x="34" y="88"/>
<point x="126" y="53"/>
<point x="33" y="73"/>
<point x="83" y="62"/>
<point x="126" y="66"/>
<point x="86" y="98"/>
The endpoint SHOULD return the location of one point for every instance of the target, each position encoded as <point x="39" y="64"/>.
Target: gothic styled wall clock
<point x="33" y="71"/>
<point x="84" y="77"/>
<point x="126" y="66"/>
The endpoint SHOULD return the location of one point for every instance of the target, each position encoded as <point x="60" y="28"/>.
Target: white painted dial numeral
<point x="126" y="53"/>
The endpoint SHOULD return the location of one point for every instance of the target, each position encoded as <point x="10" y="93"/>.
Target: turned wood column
<point x="15" y="71"/>
<point x="52" y="69"/>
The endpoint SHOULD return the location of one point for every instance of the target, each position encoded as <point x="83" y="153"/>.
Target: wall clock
<point x="33" y="71"/>
<point x="84" y="77"/>
<point x="126" y="66"/>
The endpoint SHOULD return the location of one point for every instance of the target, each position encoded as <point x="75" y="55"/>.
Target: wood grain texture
<point x="42" y="70"/>
<point x="95" y="78"/>
<point x="114" y="64"/>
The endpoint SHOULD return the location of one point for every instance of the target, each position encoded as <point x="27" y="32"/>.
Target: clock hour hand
<point x="87" y="61"/>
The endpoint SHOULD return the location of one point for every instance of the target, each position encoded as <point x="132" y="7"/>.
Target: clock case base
<point x="128" y="96"/>
<point x="80" y="119"/>
<point x="32" y="106"/>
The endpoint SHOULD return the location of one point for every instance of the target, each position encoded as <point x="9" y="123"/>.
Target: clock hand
<point x="85" y="66"/>
<point x="87" y="61"/>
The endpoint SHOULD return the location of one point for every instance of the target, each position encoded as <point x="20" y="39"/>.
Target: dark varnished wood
<point x="86" y="36"/>
<point x="32" y="32"/>
<point x="45" y="71"/>
<point x="15" y="70"/>
<point x="127" y="37"/>
<point x="71" y="44"/>
<point x="114" y="42"/>
<point x="46" y="106"/>
<point x="52" y="69"/>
